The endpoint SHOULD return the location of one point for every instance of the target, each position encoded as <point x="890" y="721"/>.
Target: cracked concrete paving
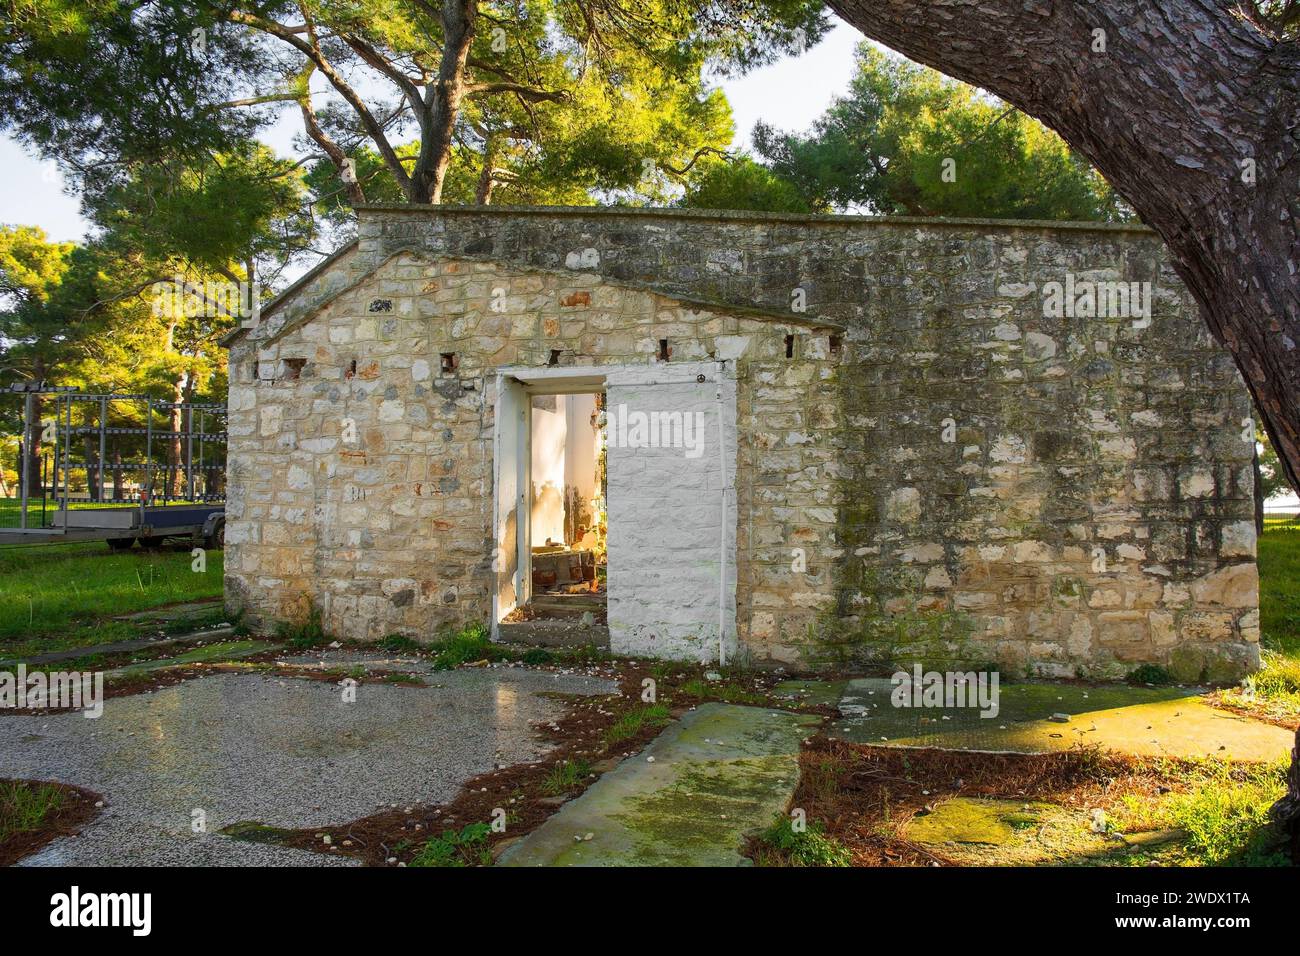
<point x="1145" y="722"/>
<point x="689" y="799"/>
<point x="283" y="751"/>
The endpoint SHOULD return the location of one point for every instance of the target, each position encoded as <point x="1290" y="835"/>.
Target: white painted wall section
<point x="672" y="511"/>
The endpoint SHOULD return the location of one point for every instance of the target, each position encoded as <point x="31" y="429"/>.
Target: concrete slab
<point x="816" y="693"/>
<point x="1147" y="722"/>
<point x="370" y="659"/>
<point x="990" y="832"/>
<point x="172" y="612"/>
<point x="689" y="799"/>
<point x="123" y="647"/>
<point x="286" y="752"/>
<point x="220" y="651"/>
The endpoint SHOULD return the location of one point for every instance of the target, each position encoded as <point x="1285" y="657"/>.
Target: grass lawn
<point x="59" y="596"/>
<point x="1277" y="686"/>
<point x="1279" y="585"/>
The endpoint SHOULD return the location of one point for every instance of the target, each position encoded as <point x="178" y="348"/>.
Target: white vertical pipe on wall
<point x="722" y="534"/>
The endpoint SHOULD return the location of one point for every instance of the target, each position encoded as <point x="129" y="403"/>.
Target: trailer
<point x="115" y="468"/>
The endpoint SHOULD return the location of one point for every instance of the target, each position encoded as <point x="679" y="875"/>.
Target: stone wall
<point x="939" y="464"/>
<point x="361" y="468"/>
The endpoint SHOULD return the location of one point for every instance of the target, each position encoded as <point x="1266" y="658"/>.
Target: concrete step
<point x="555" y="633"/>
<point x="568" y="605"/>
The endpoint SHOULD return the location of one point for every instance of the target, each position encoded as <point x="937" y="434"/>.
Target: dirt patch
<point x="864" y="797"/>
<point x="75" y="807"/>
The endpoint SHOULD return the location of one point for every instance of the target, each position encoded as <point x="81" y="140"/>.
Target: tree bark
<point x="32" y="440"/>
<point x="1286" y="812"/>
<point x="174" y="423"/>
<point x="441" y="102"/>
<point x="486" y="180"/>
<point x="342" y="164"/>
<point x="1191" y="112"/>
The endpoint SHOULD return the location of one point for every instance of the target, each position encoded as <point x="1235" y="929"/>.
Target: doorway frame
<point x="515" y="453"/>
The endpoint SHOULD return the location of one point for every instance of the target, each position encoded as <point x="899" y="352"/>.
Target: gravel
<point x="282" y="751"/>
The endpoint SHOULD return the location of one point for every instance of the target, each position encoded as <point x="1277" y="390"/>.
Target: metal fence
<point x="64" y="449"/>
<point x="1283" y="511"/>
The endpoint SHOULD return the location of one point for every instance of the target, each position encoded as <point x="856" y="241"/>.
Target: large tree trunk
<point x="486" y="180"/>
<point x="1191" y="112"/>
<point x="441" y="102"/>
<point x="117" y="473"/>
<point x="174" y="423"/>
<point x="1286" y="812"/>
<point x="32" y="440"/>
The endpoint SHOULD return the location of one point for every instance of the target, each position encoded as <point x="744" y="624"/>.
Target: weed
<point x="629" y="724"/>
<point x="301" y="635"/>
<point x="577" y="656"/>
<point x="1224" y="812"/>
<point x="25" y="806"/>
<point x="399" y="643"/>
<point x="565" y="775"/>
<point x="463" y="848"/>
<point x="721" y="690"/>
<point x="808" y="846"/>
<point x="1150" y="674"/>
<point x="469" y="644"/>
<point x="402" y="677"/>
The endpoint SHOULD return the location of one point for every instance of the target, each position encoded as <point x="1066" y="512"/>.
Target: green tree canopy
<point x="741" y="183"/>
<point x="905" y="140"/>
<point x="563" y="98"/>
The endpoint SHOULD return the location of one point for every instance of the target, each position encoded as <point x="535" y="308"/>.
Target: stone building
<point x="826" y="438"/>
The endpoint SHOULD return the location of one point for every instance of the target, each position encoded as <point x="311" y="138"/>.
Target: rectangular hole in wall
<point x="554" y="360"/>
<point x="293" y="368"/>
<point x="789" y="346"/>
<point x="449" y="361"/>
<point x="837" y="345"/>
<point x="565" y="509"/>
<point x="665" y="350"/>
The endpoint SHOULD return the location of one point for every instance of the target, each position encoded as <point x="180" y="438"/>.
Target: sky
<point x="787" y="94"/>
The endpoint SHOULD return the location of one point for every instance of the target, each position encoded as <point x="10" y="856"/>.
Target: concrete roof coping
<point x="741" y="215"/>
<point x="716" y="215"/>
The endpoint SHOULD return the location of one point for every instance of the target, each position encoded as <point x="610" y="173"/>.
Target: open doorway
<point x="660" y="516"/>
<point x="567" y="512"/>
<point x="552" y="515"/>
